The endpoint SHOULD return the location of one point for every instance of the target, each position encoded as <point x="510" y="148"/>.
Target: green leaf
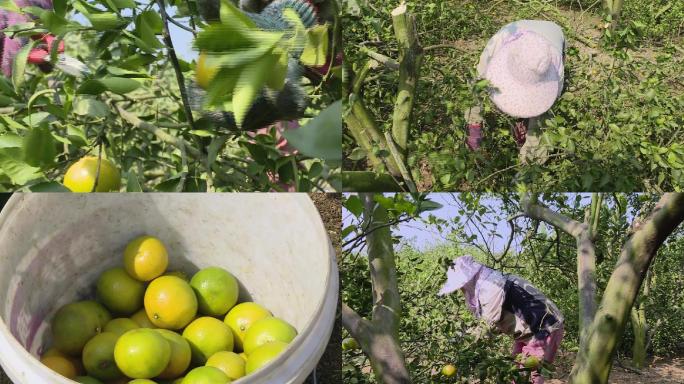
<point x="39" y="147"/>
<point x="17" y="170"/>
<point x="118" y="85"/>
<point x="86" y="106"/>
<point x="322" y="136"/>
<point x="9" y="5"/>
<point x="214" y="149"/>
<point x="315" y="53"/>
<point x="106" y="21"/>
<point x="231" y="15"/>
<point x="354" y="205"/>
<point x="11" y="140"/>
<point x="48" y="186"/>
<point x="250" y="82"/>
<point x="146" y="30"/>
<point x="132" y="184"/>
<point x="19" y="64"/>
<point x="276" y="80"/>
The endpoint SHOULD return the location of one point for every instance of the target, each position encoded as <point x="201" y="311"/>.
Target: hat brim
<point x="517" y="99"/>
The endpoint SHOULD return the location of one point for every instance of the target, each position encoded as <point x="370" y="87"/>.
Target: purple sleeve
<point x="9" y="47"/>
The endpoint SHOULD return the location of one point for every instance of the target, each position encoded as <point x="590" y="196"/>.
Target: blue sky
<point x="423" y="237"/>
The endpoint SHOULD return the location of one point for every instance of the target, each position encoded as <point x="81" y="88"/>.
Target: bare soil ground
<point x="658" y="370"/>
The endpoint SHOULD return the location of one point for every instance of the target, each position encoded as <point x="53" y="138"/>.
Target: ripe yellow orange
<point x="145" y="258"/>
<point x="170" y="302"/>
<point x="207" y="336"/>
<point x="264" y="355"/>
<point x="76" y="361"/>
<point x="142" y="353"/>
<point x="141" y="381"/>
<point x="119" y="292"/>
<point x="76" y="323"/>
<point x="448" y="370"/>
<point x="120" y="325"/>
<point x="216" y="290"/>
<point x="80" y="177"/>
<point x="206" y="375"/>
<point x="268" y="330"/>
<point x="180" y="354"/>
<point x="241" y="317"/>
<point x="98" y="357"/>
<point x="61" y="365"/>
<point x="229" y="362"/>
<point x="142" y="319"/>
<point x="204" y="72"/>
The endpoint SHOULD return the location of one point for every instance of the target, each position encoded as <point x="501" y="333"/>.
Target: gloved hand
<point x="474" y="124"/>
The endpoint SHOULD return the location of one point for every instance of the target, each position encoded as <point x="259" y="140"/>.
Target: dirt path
<point x="658" y="370"/>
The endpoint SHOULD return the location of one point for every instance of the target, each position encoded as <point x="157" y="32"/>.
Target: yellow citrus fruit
<point x="74" y="360"/>
<point x="244" y="356"/>
<point x="98" y="357"/>
<point x="142" y="381"/>
<point x="204" y="72"/>
<point x="142" y="319"/>
<point x="180" y="354"/>
<point x="229" y="362"/>
<point x="448" y="370"/>
<point x="142" y="353"/>
<point x="87" y="380"/>
<point x="60" y="364"/>
<point x="145" y="258"/>
<point x="532" y="362"/>
<point x="80" y="177"/>
<point x="206" y="375"/>
<point x="76" y="323"/>
<point x="120" y="325"/>
<point x="207" y="336"/>
<point x="119" y="292"/>
<point x="268" y="330"/>
<point x="349" y="343"/>
<point x="216" y="290"/>
<point x="241" y="317"/>
<point x="264" y="355"/>
<point x="170" y="302"/>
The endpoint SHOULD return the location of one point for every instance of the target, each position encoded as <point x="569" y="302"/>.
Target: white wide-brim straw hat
<point x="459" y="274"/>
<point x="526" y="75"/>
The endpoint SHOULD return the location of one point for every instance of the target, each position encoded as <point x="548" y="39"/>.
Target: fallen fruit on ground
<point x="98" y="357"/>
<point x="229" y="362"/>
<point x="81" y="175"/>
<point x="216" y="290"/>
<point x="449" y="370"/>
<point x="264" y="355"/>
<point x="241" y="317"/>
<point x="207" y="336"/>
<point x="170" y="303"/>
<point x="268" y="330"/>
<point x="142" y="353"/>
<point x="146" y="258"/>
<point x="349" y="344"/>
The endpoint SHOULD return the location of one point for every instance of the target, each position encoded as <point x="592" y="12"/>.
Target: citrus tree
<point x="588" y="253"/>
<point x="259" y="111"/>
<point x="615" y="127"/>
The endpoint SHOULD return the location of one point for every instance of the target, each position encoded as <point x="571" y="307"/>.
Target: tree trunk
<point x="595" y="357"/>
<point x="639" y="328"/>
<point x="379" y="337"/>
<point x="614" y="8"/>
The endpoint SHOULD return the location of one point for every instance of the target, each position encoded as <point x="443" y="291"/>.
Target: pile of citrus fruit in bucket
<point x="153" y="326"/>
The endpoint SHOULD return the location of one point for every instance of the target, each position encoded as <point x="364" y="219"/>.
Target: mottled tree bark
<point x="594" y="359"/>
<point x="379" y="336"/>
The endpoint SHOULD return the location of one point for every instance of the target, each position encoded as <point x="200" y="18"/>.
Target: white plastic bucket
<point x="54" y="246"/>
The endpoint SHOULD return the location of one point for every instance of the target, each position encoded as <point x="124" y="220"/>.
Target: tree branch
<point x="594" y="360"/>
<point x="410" y="58"/>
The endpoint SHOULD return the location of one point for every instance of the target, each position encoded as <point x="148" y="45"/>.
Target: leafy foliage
<point x="439" y="330"/>
<point x="616" y="126"/>
<point x="129" y="109"/>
